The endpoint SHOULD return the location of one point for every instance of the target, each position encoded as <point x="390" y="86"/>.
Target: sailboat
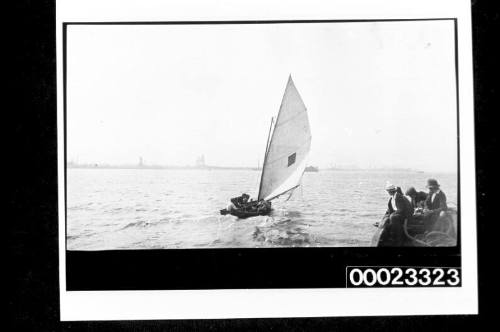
<point x="287" y="147"/>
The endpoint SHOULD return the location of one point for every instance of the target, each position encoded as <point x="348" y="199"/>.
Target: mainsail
<point x="286" y="153"/>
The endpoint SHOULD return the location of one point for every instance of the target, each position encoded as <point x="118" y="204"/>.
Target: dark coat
<point x="439" y="203"/>
<point x="419" y="199"/>
<point x="402" y="204"/>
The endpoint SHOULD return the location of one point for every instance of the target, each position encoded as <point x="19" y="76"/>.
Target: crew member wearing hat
<point x="232" y="205"/>
<point x="241" y="201"/>
<point x="244" y="199"/>
<point x="236" y="203"/>
<point x="417" y="198"/>
<point x="435" y="204"/>
<point x="398" y="209"/>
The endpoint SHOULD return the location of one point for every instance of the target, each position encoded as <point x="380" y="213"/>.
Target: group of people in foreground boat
<point x="245" y="206"/>
<point x="429" y="210"/>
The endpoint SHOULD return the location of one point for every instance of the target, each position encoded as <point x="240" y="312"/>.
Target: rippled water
<point x="155" y="208"/>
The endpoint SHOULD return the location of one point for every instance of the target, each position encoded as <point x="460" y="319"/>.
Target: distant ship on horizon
<point x="311" y="169"/>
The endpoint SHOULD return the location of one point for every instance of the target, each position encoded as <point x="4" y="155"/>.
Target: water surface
<point x="163" y="208"/>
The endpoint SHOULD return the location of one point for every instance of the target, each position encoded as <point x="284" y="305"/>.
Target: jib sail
<point x="286" y="154"/>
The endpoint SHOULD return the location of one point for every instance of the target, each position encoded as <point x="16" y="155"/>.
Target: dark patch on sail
<point x="291" y="159"/>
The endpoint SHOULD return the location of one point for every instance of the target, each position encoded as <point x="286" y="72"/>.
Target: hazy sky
<point x="378" y="94"/>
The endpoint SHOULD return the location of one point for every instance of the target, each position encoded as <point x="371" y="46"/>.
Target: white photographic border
<point x="247" y="303"/>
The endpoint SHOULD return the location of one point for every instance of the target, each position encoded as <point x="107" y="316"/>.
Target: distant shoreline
<point x="234" y="168"/>
<point x="162" y="167"/>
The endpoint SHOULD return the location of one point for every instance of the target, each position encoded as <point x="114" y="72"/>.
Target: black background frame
<point x="32" y="265"/>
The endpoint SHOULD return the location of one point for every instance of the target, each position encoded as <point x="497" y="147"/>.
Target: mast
<point x="268" y="139"/>
<point x="265" y="157"/>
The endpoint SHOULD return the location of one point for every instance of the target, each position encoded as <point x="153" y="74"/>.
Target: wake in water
<point x="141" y="223"/>
<point x="132" y="209"/>
<point x="283" y="229"/>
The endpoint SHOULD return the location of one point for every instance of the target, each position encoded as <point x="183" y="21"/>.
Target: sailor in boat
<point x="398" y="210"/>
<point x="263" y="206"/>
<point x="238" y="202"/>
<point x="399" y="190"/>
<point x="232" y="205"/>
<point x="417" y="198"/>
<point x="435" y="207"/>
<point x="242" y="200"/>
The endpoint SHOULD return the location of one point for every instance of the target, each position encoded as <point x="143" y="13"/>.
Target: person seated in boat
<point x="400" y="191"/>
<point x="243" y="201"/>
<point x="398" y="209"/>
<point x="434" y="205"/>
<point x="232" y="205"/>
<point x="240" y="201"/>
<point x="417" y="198"/>
<point x="263" y="205"/>
<point x="392" y="189"/>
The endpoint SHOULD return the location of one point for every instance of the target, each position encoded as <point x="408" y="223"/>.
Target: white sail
<point x="286" y="155"/>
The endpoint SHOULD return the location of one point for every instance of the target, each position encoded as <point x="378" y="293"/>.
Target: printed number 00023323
<point x="402" y="276"/>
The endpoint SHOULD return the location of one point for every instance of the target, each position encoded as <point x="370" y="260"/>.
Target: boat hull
<point x="249" y="210"/>
<point x="241" y="214"/>
<point x="443" y="233"/>
<point x="247" y="213"/>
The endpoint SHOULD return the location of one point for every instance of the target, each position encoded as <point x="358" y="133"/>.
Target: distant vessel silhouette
<point x="311" y="169"/>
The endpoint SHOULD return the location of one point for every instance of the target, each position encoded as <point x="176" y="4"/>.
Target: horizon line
<point x="71" y="164"/>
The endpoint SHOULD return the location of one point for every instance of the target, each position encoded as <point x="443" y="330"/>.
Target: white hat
<point x="389" y="186"/>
